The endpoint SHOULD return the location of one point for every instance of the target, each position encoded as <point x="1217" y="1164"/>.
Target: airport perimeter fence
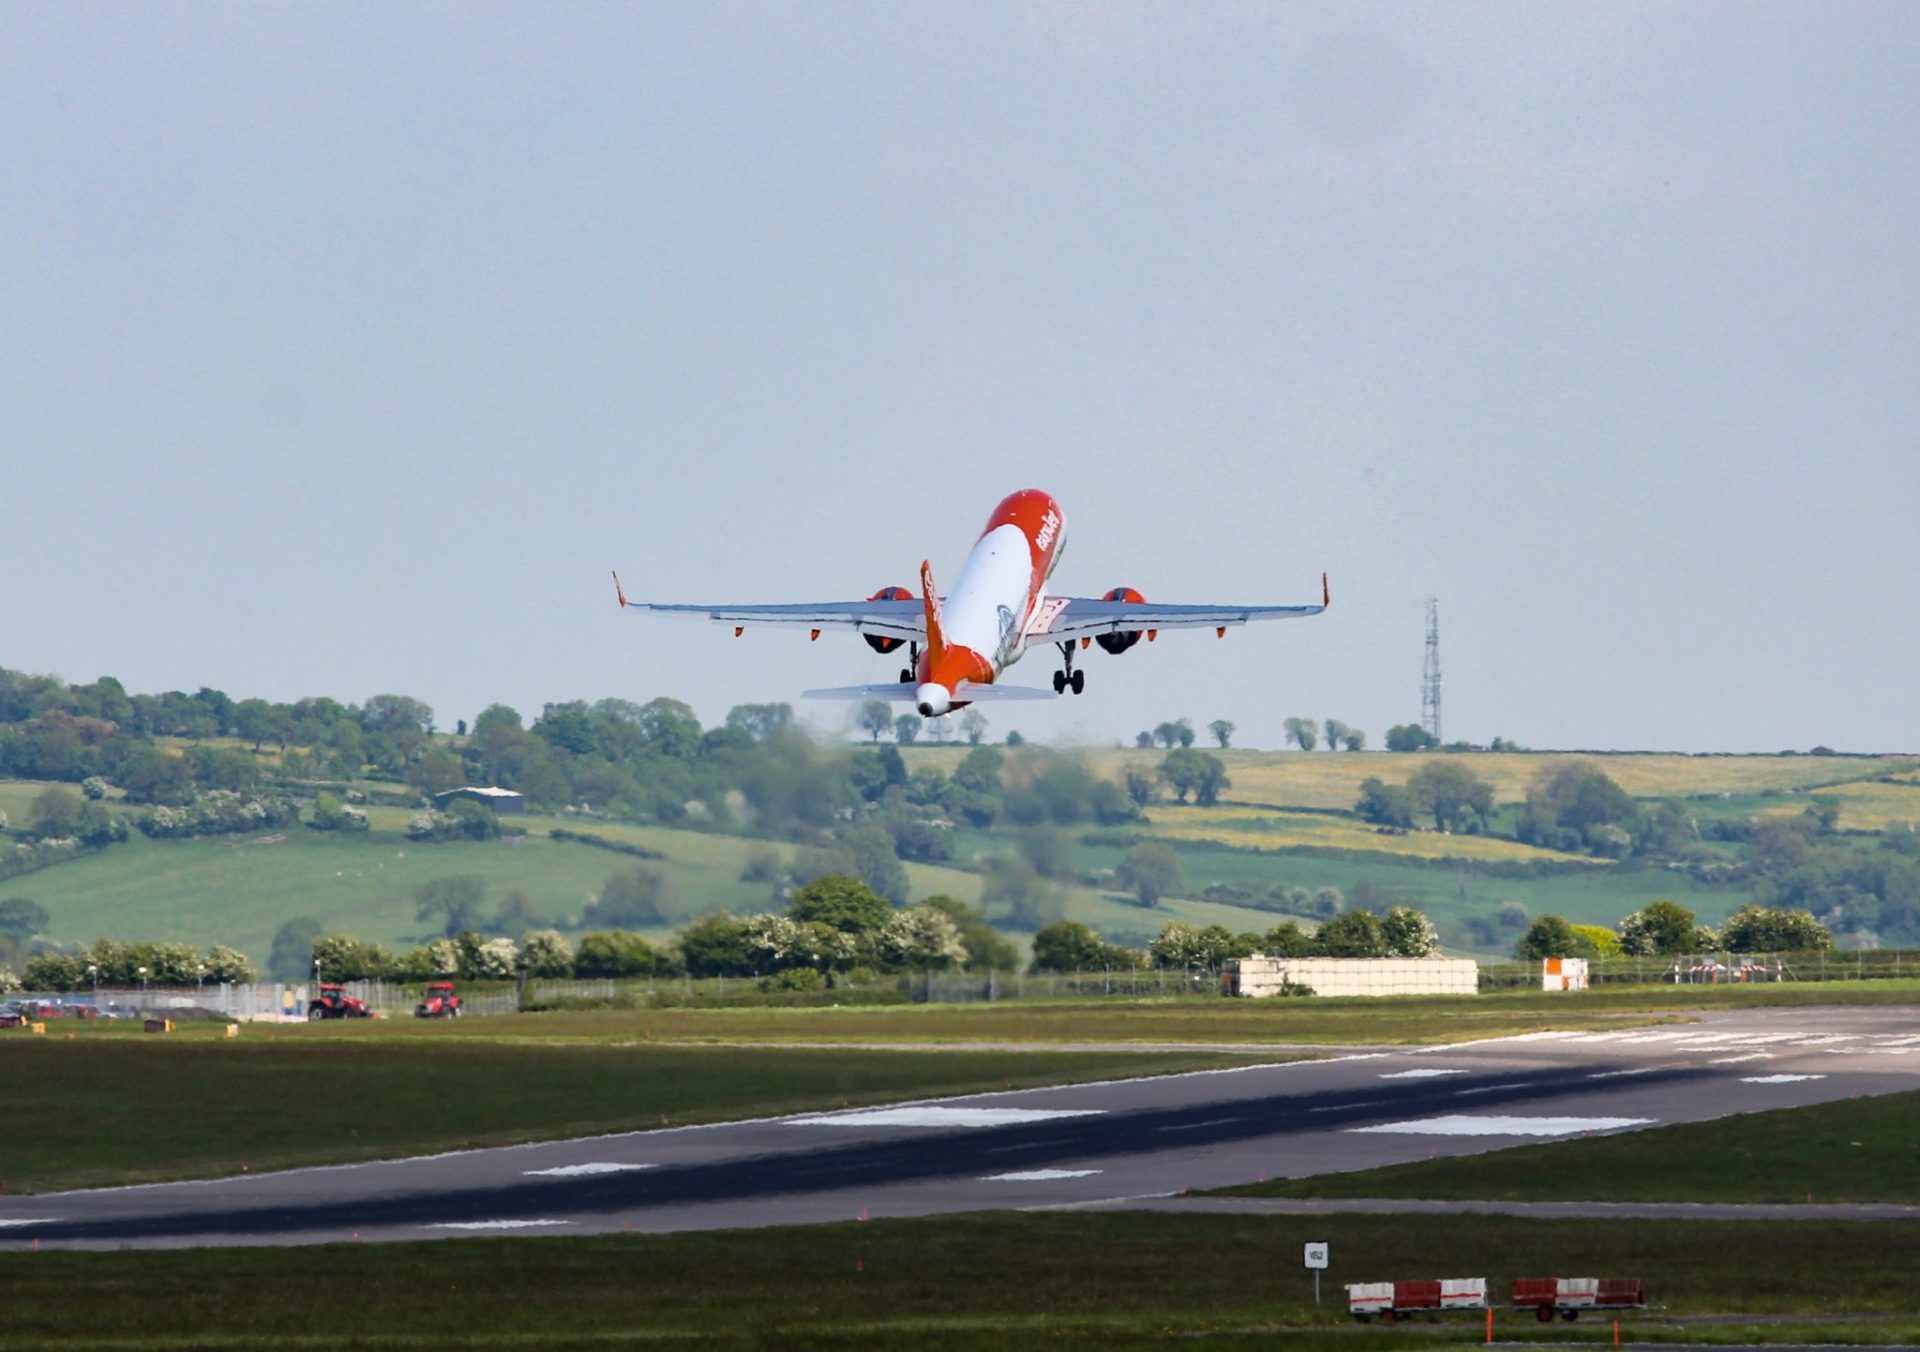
<point x="248" y="1002"/>
<point x="1718" y="969"/>
<point x="898" y="988"/>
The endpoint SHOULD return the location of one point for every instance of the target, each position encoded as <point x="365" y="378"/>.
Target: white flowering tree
<point x="496" y="960"/>
<point x="922" y="938"/>
<point x="443" y="957"/>
<point x="228" y="964"/>
<point x="546" y="953"/>
<point x="1177" y="945"/>
<point x="1409" y="934"/>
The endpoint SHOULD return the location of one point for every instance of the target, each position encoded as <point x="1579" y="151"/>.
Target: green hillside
<point x="1282" y="824"/>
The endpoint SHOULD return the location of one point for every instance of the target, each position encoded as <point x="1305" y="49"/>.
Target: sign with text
<point x="1317" y="1254"/>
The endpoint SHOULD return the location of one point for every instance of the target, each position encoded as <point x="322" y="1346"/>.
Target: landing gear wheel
<point x="906" y="675"/>
<point x="1059" y="682"/>
<point x="1079" y="681"/>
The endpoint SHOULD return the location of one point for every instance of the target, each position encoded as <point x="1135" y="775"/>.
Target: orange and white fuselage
<point x="980" y="628"/>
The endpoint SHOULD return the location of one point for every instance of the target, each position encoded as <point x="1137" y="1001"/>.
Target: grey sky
<point x="344" y="349"/>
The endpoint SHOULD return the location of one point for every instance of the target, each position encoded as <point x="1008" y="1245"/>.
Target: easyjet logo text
<point x="1048" y="529"/>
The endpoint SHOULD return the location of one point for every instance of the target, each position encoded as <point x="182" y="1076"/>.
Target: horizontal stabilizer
<point x="968" y="693"/>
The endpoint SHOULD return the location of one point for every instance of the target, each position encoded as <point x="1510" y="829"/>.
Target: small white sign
<point x="1317" y="1254"/>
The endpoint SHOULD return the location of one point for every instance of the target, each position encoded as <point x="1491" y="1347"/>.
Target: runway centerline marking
<point x="1423" y="1073"/>
<point x="932" y="1116"/>
<point x="1777" y="1079"/>
<point x="574" y="1170"/>
<point x="1734" y="1060"/>
<point x="495" y="1225"/>
<point x="1461" y="1124"/>
<point x="1196" y="1126"/>
<point x="1038" y="1175"/>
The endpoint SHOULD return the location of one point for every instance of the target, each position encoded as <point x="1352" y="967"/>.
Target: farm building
<point x="500" y="800"/>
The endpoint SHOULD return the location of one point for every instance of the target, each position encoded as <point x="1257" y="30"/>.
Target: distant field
<point x="1859" y="1150"/>
<point x="1253" y="828"/>
<point x="1869" y="807"/>
<point x="1323" y="779"/>
<point x="238" y="890"/>
<point x="1587" y="894"/>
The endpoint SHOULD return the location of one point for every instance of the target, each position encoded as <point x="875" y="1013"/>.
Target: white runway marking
<point x="28" y="1220"/>
<point x="572" y="1170"/>
<point x="1039" y="1175"/>
<point x="1463" y="1125"/>
<point x="1777" y="1079"/>
<point x="1419" y="1074"/>
<point x="494" y="1225"/>
<point x="1732" y="1060"/>
<point x="939" y="1117"/>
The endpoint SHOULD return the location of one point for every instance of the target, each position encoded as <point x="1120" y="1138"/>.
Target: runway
<point x="1116" y="1143"/>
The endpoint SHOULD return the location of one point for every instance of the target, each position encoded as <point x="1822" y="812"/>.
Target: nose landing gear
<point x="1062" y="680"/>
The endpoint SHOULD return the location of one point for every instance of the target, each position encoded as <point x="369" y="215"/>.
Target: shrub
<point x="803" y="980"/>
<point x="1352" y="934"/>
<point x="547" y="953"/>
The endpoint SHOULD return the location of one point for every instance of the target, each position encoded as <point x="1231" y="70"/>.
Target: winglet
<point x="1326" y="593"/>
<point x="936" y="641"/>
<point x="618" y="592"/>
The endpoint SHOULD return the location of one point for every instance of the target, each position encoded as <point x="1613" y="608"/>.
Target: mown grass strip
<point x="985" y="1281"/>
<point x="1855" y="1150"/>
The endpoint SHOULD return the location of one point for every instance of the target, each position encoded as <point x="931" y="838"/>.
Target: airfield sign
<point x="1316" y="1259"/>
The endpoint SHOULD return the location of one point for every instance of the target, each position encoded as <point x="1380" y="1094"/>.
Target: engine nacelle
<point x="886" y="643"/>
<point x="1124" y="639"/>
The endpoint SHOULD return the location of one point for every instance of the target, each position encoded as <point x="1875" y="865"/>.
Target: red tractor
<point x="439" y="1002"/>
<point x="333" y="1002"/>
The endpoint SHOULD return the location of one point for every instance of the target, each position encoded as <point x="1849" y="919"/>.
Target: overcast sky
<point x="344" y="349"/>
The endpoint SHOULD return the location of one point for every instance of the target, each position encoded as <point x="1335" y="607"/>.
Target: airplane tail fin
<point x="936" y="640"/>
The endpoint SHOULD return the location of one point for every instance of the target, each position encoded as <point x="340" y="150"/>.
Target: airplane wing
<point x="1083" y="617"/>
<point x="895" y="619"/>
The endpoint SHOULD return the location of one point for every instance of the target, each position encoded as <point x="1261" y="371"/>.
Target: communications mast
<point x="1430" y="681"/>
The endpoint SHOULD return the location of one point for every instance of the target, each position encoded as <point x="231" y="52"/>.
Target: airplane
<point x="960" y="643"/>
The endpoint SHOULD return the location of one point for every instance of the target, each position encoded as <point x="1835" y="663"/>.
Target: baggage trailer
<point x="1397" y="1300"/>
<point x="1568" y="1296"/>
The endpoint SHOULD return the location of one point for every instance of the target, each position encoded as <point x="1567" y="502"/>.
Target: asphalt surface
<point x="1117" y="1143"/>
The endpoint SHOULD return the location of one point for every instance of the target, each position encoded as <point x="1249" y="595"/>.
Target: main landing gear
<point x="913" y="664"/>
<point x="1063" y="679"/>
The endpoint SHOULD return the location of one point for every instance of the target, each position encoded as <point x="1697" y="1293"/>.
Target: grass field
<point x="1253" y="828"/>
<point x="1449" y="893"/>
<point x="1323" y="779"/>
<point x="110" y="1109"/>
<point x="1857" y="1150"/>
<point x="1871" y="807"/>
<point x="238" y="890"/>
<point x="993" y="1280"/>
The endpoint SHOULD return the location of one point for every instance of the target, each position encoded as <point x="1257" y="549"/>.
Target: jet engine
<point x="1124" y="639"/>
<point x="886" y="643"/>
